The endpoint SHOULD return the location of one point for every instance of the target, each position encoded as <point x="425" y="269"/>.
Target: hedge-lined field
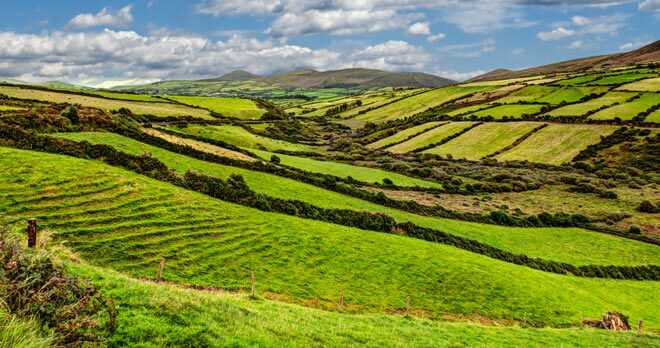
<point x="418" y="103"/>
<point x="527" y="94"/>
<point x="403" y="135"/>
<point x="127" y="96"/>
<point x="124" y="221"/>
<point x="646" y="85"/>
<point x="622" y="78"/>
<point x="556" y="143"/>
<point x="239" y="136"/>
<point x="572" y="245"/>
<point x="344" y="170"/>
<point x="581" y="109"/>
<point x="626" y="111"/>
<point x="216" y="319"/>
<point x="484" y="140"/>
<point x="569" y="94"/>
<point x="653" y="117"/>
<point x="142" y="108"/>
<point x="509" y="111"/>
<point x="230" y="107"/>
<point x="431" y="137"/>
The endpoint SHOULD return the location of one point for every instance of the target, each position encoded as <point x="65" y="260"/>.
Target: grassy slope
<point x="239" y="136"/>
<point x="616" y="79"/>
<point x="343" y="170"/>
<point x="653" y="117"/>
<point x="199" y="145"/>
<point x="402" y="135"/>
<point x="510" y="111"/>
<point x="627" y="111"/>
<point x="484" y="140"/>
<point x="127" y="96"/>
<point x="556" y="143"/>
<point x="569" y="94"/>
<point x="563" y="244"/>
<point x="166" y="315"/>
<point x="468" y="109"/>
<point x="18" y="332"/>
<point x="156" y="109"/>
<point x="232" y="107"/>
<point x="590" y="105"/>
<point x="430" y="137"/>
<point x="418" y="103"/>
<point x="124" y="221"/>
<point x="647" y="85"/>
<point x="529" y="93"/>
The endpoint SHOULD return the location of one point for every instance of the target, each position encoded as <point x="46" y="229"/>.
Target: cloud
<point x="458" y="75"/>
<point x="580" y="20"/>
<point x="469" y="50"/>
<point x="103" y="17"/>
<point x="237" y="7"/>
<point x="576" y="44"/>
<point x="555" y="34"/>
<point x="126" y="56"/>
<point x="649" y="5"/>
<point x="629" y="46"/>
<point x="419" y="28"/>
<point x="436" y="37"/>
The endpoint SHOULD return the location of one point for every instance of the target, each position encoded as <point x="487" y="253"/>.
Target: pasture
<point x="646" y="85"/>
<point x="581" y="109"/>
<point x="403" y="135"/>
<point x="509" y="111"/>
<point x="626" y="111"/>
<point x="229" y="107"/>
<point x="430" y="137"/>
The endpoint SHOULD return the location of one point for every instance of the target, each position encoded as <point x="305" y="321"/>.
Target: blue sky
<point x="110" y="42"/>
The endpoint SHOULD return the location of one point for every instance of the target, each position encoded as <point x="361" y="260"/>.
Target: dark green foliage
<point x="648" y="207"/>
<point x="634" y="230"/>
<point x="275" y="159"/>
<point x="31" y="285"/>
<point x="72" y="114"/>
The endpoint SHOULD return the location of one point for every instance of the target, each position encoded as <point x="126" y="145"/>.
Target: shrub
<point x="634" y="230"/>
<point x="388" y="182"/>
<point x="275" y="159"/>
<point x="72" y="114"/>
<point x="648" y="207"/>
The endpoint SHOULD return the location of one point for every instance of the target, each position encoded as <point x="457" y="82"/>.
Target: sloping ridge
<point x="647" y="53"/>
<point x="234" y="76"/>
<point x="354" y="78"/>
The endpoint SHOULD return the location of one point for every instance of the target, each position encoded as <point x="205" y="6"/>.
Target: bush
<point x="388" y="182"/>
<point x="634" y="230"/>
<point x="275" y="159"/>
<point x="72" y="114"/>
<point x="648" y="207"/>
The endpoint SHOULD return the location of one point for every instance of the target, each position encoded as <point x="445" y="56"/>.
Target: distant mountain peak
<point x="234" y="76"/>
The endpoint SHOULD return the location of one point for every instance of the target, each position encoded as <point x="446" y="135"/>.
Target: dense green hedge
<point x="236" y="190"/>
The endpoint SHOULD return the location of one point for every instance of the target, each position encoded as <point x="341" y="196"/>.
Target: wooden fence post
<point x="639" y="326"/>
<point x="340" y="305"/>
<point x="252" y="283"/>
<point x="408" y="306"/>
<point x="161" y="265"/>
<point x="32" y="233"/>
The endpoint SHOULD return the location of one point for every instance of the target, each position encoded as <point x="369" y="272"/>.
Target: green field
<point x="646" y="85"/>
<point x="403" y="135"/>
<point x="622" y="78"/>
<point x="591" y="105"/>
<point x="503" y="82"/>
<point x="431" y="137"/>
<point x="127" y="96"/>
<point x="484" y="140"/>
<point x="627" y="111"/>
<point x="653" y="117"/>
<point x="527" y="94"/>
<point x="127" y="222"/>
<point x="509" y="111"/>
<point x="578" y="80"/>
<point x="9" y="108"/>
<point x="344" y="170"/>
<point x="556" y="143"/>
<point x="155" y="109"/>
<point x="220" y="319"/>
<point x="571" y="245"/>
<point x="468" y="109"/>
<point x="239" y="136"/>
<point x="569" y="94"/>
<point x="196" y="144"/>
<point x="418" y="103"/>
<point x="230" y="107"/>
<point x="379" y="102"/>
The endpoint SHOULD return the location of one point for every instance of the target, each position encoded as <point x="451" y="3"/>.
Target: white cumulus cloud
<point x="419" y="28"/>
<point x="103" y="17"/>
<point x="555" y="34"/>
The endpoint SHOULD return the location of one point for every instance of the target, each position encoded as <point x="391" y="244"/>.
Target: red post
<point x="32" y="233"/>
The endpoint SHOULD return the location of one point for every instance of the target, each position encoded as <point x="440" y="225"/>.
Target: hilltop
<point x="368" y="78"/>
<point x="648" y="53"/>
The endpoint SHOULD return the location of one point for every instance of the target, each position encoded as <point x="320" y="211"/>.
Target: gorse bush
<point x="31" y="285"/>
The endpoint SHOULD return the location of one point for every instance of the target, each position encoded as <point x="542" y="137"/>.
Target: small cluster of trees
<point x="343" y="107"/>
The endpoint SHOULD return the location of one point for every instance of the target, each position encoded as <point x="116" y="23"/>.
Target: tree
<point x="72" y="114"/>
<point x="275" y="159"/>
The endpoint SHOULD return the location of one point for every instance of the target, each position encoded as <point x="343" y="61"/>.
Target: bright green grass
<point x="646" y="85"/>
<point x="571" y="245"/>
<point x="468" y="109"/>
<point x="418" y="103"/>
<point x="16" y="332"/>
<point x="578" y="80"/>
<point x="593" y="104"/>
<point x="231" y="107"/>
<point x="344" y="170"/>
<point x="653" y="117"/>
<point x="569" y="94"/>
<point x="9" y="108"/>
<point x="384" y="99"/>
<point x="239" y="136"/>
<point x="503" y="82"/>
<point x="623" y="78"/>
<point x="556" y="143"/>
<point x="431" y="137"/>
<point x="509" y="110"/>
<point x="156" y="109"/>
<point x="127" y="96"/>
<point x="161" y="315"/>
<point x="402" y="135"/>
<point x="127" y="222"/>
<point x="528" y="94"/>
<point x="627" y="111"/>
<point x="484" y="140"/>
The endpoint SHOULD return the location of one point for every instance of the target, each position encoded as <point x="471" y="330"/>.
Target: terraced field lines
<point x="556" y="143"/>
<point x="571" y="245"/>
<point x="140" y="108"/>
<point x="527" y="94"/>
<point x="578" y="80"/>
<point x="127" y="96"/>
<point x="503" y="82"/>
<point x="239" y="136"/>
<point x="623" y="78"/>
<point x="431" y="137"/>
<point x="483" y="140"/>
<point x="646" y="85"/>
<point x="208" y="242"/>
<point x="231" y="107"/>
<point x="581" y="109"/>
<point x="403" y="135"/>
<point x="509" y="111"/>
<point x="653" y="117"/>
<point x="344" y="170"/>
<point x="468" y="109"/>
<point x="627" y="111"/>
<point x="418" y="103"/>
<point x="569" y="94"/>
